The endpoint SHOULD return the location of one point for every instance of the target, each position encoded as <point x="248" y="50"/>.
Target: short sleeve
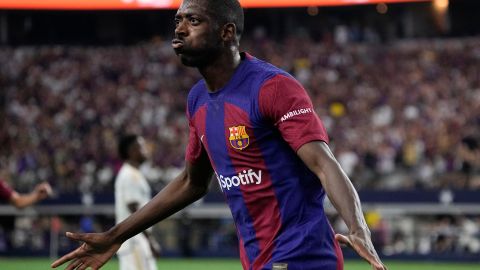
<point x="194" y="146"/>
<point x="285" y="103"/>
<point x="5" y="191"/>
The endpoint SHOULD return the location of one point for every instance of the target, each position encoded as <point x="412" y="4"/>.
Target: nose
<point x="181" y="29"/>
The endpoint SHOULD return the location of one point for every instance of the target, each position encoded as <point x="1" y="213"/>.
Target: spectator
<point x="18" y="200"/>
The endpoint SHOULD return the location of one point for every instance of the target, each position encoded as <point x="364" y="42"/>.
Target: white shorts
<point x="135" y="254"/>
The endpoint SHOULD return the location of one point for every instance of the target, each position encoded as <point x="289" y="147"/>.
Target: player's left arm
<point x="320" y="160"/>
<point x="285" y="103"/>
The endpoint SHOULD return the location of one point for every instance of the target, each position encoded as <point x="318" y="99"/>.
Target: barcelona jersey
<point x="251" y="130"/>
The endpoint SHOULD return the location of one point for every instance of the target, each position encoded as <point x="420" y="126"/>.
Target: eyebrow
<point x="187" y="15"/>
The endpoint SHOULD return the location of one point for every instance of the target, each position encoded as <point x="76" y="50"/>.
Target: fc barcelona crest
<point x="238" y="137"/>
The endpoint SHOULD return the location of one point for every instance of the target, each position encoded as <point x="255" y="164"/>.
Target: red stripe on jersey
<point x="5" y="191"/>
<point x="339" y="253"/>
<point x="260" y="199"/>
<point x="338" y="250"/>
<point x="196" y="135"/>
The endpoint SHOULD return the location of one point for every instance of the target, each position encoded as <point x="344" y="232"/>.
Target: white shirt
<point x="130" y="187"/>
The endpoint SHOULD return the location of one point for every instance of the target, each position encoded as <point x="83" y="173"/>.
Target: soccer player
<point x="40" y="192"/>
<point x="132" y="191"/>
<point x="253" y="127"/>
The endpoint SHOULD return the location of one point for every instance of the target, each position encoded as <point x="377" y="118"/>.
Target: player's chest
<point x="229" y="128"/>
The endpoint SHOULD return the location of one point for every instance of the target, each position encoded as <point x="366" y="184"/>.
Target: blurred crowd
<point x="400" y="116"/>
<point x="443" y="235"/>
<point x="64" y="107"/>
<point x="447" y="235"/>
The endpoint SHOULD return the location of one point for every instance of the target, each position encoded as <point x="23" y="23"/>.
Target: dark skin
<point x="194" y="30"/>
<point x="137" y="154"/>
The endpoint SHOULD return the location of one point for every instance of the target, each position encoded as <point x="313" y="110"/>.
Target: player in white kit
<point x="132" y="191"/>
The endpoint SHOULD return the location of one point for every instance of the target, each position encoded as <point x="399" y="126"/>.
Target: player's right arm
<point x="98" y="248"/>
<point x="41" y="192"/>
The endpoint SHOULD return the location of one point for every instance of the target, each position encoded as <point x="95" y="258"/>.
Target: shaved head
<point x="223" y="12"/>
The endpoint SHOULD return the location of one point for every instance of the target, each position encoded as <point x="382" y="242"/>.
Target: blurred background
<point x="396" y="84"/>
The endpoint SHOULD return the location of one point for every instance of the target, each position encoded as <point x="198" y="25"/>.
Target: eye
<point x="194" y="21"/>
<point x="177" y="21"/>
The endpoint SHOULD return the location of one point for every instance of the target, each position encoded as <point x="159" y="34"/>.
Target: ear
<point x="229" y="32"/>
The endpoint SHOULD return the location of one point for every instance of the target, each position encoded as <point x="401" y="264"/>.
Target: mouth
<point x="177" y="44"/>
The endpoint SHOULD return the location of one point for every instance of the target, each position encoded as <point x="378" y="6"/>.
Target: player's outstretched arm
<point x="41" y="192"/>
<point x="98" y="248"/>
<point x="154" y="245"/>
<point x="320" y="160"/>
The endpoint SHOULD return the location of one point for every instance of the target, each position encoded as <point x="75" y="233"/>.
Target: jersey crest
<point x="239" y="138"/>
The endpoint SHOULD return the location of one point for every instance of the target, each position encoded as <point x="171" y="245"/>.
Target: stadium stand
<point x="406" y="111"/>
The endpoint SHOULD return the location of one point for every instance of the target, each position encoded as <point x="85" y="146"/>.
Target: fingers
<point x="72" y="255"/>
<point x="379" y="266"/>
<point x="363" y="249"/>
<point x="43" y="190"/>
<point x="74" y="264"/>
<point x="77" y="236"/>
<point x="370" y="256"/>
<point x="88" y="263"/>
<point x="44" y="187"/>
<point x="81" y="264"/>
<point x="48" y="189"/>
<point x="66" y="258"/>
<point x="84" y="266"/>
<point x="343" y="240"/>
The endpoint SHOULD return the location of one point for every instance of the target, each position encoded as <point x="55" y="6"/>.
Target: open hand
<point x="94" y="252"/>
<point x="362" y="244"/>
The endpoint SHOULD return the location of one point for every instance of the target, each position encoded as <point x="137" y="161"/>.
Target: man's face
<point x="197" y="41"/>
<point x="139" y="150"/>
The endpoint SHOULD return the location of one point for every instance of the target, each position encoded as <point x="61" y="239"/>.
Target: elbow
<point x="318" y="158"/>
<point x="197" y="189"/>
<point x="200" y="190"/>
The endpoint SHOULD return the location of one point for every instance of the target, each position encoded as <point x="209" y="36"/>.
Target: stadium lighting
<point x="312" y="11"/>
<point x="173" y="4"/>
<point x="440" y="5"/>
<point x="440" y="8"/>
<point x="382" y="8"/>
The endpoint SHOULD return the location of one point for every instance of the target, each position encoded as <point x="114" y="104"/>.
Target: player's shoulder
<point x="197" y="89"/>
<point x="264" y="72"/>
<point x="125" y="173"/>
<point x="261" y="68"/>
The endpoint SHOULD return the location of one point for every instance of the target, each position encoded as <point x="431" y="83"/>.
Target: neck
<point x="219" y="72"/>
<point x="134" y="163"/>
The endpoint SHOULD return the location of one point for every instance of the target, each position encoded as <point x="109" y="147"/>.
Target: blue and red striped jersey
<point x="251" y="130"/>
